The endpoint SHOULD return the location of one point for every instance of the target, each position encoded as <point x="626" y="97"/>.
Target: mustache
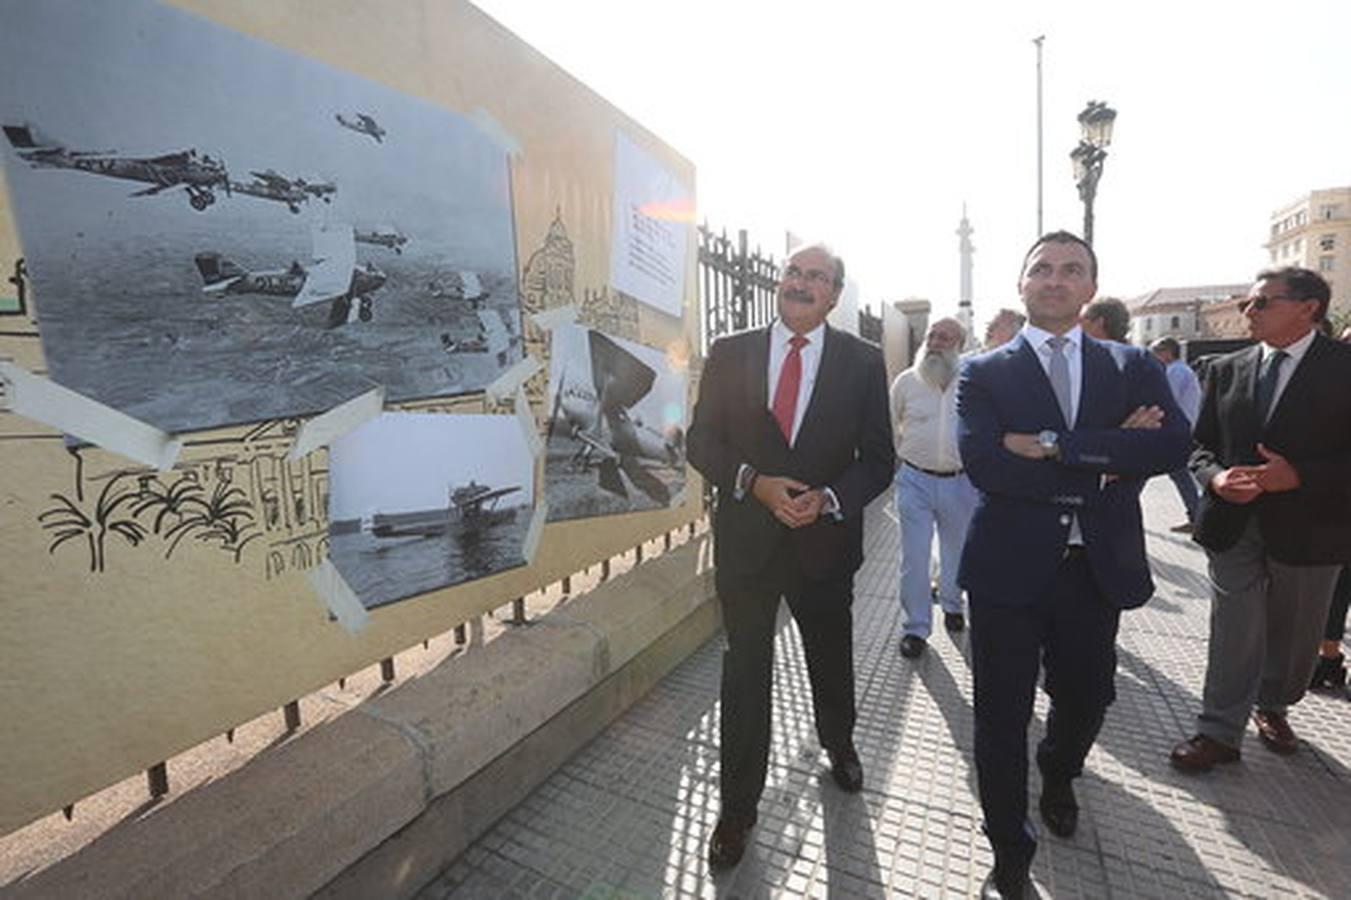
<point x="798" y="295"/>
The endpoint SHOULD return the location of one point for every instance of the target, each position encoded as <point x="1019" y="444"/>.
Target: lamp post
<point x="1096" y="124"/>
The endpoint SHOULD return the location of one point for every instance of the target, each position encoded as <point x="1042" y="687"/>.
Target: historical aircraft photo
<point x="333" y="276"/>
<point x="362" y="124"/>
<point x="284" y="329"/>
<point x="614" y="444"/>
<point x="383" y="236"/>
<point x="420" y="501"/>
<point x="198" y="174"/>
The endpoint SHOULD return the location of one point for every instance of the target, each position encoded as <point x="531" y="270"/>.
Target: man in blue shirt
<point x="1187" y="392"/>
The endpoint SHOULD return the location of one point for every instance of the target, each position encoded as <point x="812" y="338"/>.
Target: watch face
<point x="1047" y="439"/>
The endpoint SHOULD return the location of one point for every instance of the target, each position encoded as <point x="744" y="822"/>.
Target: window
<point x="1149" y="324"/>
<point x="1327" y="242"/>
<point x="1329" y="211"/>
<point x="1299" y="244"/>
<point x="1174" y="323"/>
<point x="1325" y="263"/>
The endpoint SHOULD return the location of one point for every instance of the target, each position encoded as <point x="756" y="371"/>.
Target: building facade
<point x="1314" y="231"/>
<point x="1185" y="313"/>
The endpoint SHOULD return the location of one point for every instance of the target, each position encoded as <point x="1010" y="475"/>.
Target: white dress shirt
<point x="1296" y="353"/>
<point x="1073" y="351"/>
<point x="924" y="420"/>
<point x="1186" y="389"/>
<point x="779" y="336"/>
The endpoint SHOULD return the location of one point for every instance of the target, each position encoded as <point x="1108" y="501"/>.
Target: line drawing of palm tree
<point x="68" y="521"/>
<point x="225" y="518"/>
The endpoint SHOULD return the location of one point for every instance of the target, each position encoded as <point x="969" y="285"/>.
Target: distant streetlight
<point x="1096" y="123"/>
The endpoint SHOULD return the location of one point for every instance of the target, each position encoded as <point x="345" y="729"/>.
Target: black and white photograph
<point x="421" y="501"/>
<point x="616" y="439"/>
<point x="221" y="231"/>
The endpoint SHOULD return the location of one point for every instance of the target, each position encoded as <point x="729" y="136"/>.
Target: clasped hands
<point x="1029" y="446"/>
<point x="793" y="503"/>
<point x="1244" y="484"/>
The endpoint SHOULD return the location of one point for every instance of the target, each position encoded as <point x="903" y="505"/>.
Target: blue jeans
<point x="925" y="503"/>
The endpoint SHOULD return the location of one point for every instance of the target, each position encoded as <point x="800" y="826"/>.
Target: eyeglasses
<point x="1262" y="301"/>
<point x="811" y="276"/>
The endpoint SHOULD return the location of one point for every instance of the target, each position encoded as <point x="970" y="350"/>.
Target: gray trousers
<point x="1266" y="619"/>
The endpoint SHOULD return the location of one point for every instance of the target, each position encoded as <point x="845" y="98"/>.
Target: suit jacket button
<point x="1064" y="520"/>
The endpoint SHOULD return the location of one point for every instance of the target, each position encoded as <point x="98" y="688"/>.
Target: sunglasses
<point x="1262" y="301"/>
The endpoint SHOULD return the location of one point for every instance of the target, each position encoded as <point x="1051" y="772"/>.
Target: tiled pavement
<point x="628" y="816"/>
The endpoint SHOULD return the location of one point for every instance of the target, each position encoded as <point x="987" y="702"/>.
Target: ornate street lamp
<point x="1096" y="124"/>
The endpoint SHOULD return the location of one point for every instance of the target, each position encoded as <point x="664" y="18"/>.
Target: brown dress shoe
<point x="1201" y="753"/>
<point x="1275" y="732"/>
<point x="728" y="843"/>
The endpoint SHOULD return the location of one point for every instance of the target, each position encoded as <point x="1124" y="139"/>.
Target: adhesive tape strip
<point x="45" y="401"/>
<point x="526" y="417"/>
<point x="507" y="383"/>
<point x="550" y="319"/>
<point x="333" y="590"/>
<point x="536" y="529"/>
<point x="325" y="429"/>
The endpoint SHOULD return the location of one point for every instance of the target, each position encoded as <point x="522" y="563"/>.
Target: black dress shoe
<point x="846" y="769"/>
<point x="954" y="621"/>
<point x="912" y="645"/>
<point x="728" y="843"/>
<point x="1059" y="809"/>
<point x="1330" y="673"/>
<point x="1001" y="886"/>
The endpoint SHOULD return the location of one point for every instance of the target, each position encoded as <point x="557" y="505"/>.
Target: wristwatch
<point x="1050" y="444"/>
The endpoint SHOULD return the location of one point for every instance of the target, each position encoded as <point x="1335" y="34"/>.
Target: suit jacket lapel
<point x="1246" y="368"/>
<point x="1098" y="365"/>
<point x="756" y="375"/>
<point x="1300" y="383"/>
<point x="827" y="372"/>
<point x="1030" y="371"/>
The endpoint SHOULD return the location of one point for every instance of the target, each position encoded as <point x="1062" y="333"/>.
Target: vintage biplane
<point x="596" y="412"/>
<point x="362" y="124"/>
<point x="332" y="276"/>
<point x="199" y="175"/>
<point x="383" y="236"/>
<point x="472" y="506"/>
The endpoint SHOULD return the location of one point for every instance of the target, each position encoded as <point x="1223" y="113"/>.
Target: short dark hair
<point x="1115" y="317"/>
<point x="1065" y="237"/>
<point x="828" y="251"/>
<point x="1302" y="284"/>
<point x="1167" y="345"/>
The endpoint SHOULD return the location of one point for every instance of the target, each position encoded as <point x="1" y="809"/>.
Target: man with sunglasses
<point x="1273" y="452"/>
<point x="792" y="428"/>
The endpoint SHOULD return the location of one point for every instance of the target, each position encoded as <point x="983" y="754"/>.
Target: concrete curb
<point x="377" y="802"/>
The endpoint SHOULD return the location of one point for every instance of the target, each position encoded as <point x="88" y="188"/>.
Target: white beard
<point x="937" y="368"/>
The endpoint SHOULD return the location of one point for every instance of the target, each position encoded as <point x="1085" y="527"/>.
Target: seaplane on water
<point x="614" y="441"/>
<point x="333" y="276"/>
<point x="362" y="124"/>
<point x="383" y="236"/>
<point x="472" y="505"/>
<point x="198" y="174"/>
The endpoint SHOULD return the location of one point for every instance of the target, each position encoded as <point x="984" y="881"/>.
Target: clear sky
<point x="869" y="123"/>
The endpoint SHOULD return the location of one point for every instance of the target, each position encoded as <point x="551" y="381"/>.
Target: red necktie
<point x="785" y="393"/>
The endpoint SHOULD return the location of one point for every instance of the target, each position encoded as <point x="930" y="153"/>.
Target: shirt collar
<point x="1295" y="351"/>
<point x="1038" y="337"/>
<point x="781" y="333"/>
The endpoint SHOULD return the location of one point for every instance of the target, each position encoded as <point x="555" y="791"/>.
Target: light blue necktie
<point x="1060" y="377"/>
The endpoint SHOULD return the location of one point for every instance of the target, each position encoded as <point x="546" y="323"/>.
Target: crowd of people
<point x="1024" y="461"/>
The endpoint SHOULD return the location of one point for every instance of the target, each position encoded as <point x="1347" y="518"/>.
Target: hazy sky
<point x="869" y="124"/>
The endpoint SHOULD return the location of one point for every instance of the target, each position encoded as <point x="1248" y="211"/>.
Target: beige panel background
<point x="103" y="674"/>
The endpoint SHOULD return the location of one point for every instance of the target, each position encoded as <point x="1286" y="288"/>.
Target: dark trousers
<point x="1071" y="631"/>
<point x="1341" y="601"/>
<point x="824" y="619"/>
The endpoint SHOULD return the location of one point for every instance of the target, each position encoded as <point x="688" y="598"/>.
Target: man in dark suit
<point x="792" y="428"/>
<point x="1273" y="450"/>
<point x="1058" y="432"/>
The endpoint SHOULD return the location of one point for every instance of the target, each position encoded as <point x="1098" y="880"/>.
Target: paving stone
<point x="629" y="815"/>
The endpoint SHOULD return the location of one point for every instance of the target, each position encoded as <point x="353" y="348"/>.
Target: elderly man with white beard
<point x="932" y="492"/>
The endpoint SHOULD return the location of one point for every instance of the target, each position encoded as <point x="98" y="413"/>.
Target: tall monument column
<point x="967" y="251"/>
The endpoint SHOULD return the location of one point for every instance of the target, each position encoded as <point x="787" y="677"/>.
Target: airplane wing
<point x="154" y="189"/>
<point x="334" y="259"/>
<point x="621" y="379"/>
<point x="645" y="481"/>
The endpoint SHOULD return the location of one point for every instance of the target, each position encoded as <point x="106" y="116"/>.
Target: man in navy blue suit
<point x="1058" y="433"/>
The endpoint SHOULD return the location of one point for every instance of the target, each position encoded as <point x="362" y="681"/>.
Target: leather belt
<point x="952" y="474"/>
